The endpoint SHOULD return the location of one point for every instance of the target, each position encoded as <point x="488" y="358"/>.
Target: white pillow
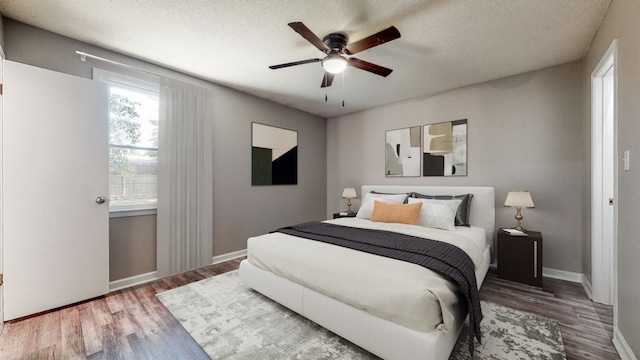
<point x="366" y="209"/>
<point x="439" y="214"/>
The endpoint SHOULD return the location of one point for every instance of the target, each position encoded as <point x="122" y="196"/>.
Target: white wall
<point x="524" y="132"/>
<point x="622" y="23"/>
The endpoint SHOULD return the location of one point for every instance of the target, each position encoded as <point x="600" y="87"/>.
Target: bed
<point x="357" y="295"/>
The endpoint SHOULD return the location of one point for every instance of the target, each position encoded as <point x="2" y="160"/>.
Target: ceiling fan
<point x="336" y="46"/>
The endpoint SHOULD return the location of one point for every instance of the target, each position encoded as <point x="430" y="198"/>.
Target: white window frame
<point x="141" y="82"/>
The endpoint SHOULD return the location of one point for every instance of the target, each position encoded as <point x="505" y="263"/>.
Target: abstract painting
<point x="444" y="151"/>
<point x="402" y="152"/>
<point x="274" y="155"/>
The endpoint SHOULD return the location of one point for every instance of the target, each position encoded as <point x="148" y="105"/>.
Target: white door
<point x="55" y="166"/>
<point x="604" y="180"/>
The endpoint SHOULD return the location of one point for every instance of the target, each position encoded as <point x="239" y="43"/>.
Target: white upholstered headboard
<point x="482" y="214"/>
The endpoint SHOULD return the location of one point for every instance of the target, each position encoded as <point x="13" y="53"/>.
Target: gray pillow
<point x="406" y="200"/>
<point x="464" y="210"/>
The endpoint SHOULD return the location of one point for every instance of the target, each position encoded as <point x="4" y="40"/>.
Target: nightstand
<point x="520" y="257"/>
<point x="341" y="215"/>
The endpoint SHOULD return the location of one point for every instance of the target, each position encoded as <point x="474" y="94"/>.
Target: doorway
<point x="604" y="178"/>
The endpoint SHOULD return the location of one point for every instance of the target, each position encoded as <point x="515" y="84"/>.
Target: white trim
<point x="131" y="212"/>
<point x="562" y="275"/>
<point x="603" y="253"/>
<point x="133" y="281"/>
<point x="556" y="274"/>
<point x="586" y="285"/>
<point x="153" y="275"/>
<point x="624" y="350"/>
<point x="1" y="185"/>
<point x="229" y="256"/>
<point x="150" y="276"/>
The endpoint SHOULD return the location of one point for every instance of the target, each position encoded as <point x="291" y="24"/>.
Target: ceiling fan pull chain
<point x="343" y="89"/>
<point x="325" y="88"/>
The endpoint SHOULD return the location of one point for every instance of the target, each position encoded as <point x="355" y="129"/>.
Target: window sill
<point x="115" y="213"/>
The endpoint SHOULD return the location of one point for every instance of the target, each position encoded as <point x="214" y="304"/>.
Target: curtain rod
<point x="84" y="55"/>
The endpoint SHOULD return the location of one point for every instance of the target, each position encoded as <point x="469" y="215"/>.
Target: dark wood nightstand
<point x="520" y="257"/>
<point x="341" y="215"/>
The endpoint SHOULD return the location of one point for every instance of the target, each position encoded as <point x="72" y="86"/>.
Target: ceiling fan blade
<point x="381" y="37"/>
<point x="301" y="62"/>
<point x="367" y="66"/>
<point x="327" y="79"/>
<point x="304" y="31"/>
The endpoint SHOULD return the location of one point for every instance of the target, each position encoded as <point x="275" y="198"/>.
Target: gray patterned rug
<point x="231" y="321"/>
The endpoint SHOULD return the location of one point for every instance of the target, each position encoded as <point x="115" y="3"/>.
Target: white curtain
<point x="185" y="178"/>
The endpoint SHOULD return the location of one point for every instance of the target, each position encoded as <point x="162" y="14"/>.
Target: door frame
<point x="604" y="253"/>
<point x="1" y="187"/>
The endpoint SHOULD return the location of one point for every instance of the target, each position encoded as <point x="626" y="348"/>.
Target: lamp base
<point x="519" y="227"/>
<point x="518" y="219"/>
<point x="349" y="212"/>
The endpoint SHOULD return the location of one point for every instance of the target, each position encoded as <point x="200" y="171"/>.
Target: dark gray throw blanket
<point x="446" y="259"/>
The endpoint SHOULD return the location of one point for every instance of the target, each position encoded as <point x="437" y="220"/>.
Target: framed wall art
<point x="402" y="152"/>
<point x="274" y="155"/>
<point x="444" y="149"/>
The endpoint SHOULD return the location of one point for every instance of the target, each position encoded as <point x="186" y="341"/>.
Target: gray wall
<point x="524" y="132"/>
<point x="622" y="23"/>
<point x="240" y="210"/>
<point x="132" y="246"/>
<point x="1" y="32"/>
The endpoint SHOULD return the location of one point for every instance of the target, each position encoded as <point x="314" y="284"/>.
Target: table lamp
<point x="519" y="200"/>
<point x="349" y="193"/>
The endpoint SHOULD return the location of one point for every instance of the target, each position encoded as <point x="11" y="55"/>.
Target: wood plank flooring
<point x="587" y="327"/>
<point x="132" y="324"/>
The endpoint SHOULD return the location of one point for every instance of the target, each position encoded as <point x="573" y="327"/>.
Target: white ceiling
<point x="445" y="44"/>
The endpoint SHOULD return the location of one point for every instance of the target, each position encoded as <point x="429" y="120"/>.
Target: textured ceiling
<point x="444" y="45"/>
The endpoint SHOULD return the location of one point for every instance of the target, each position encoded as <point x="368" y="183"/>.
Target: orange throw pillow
<point x="396" y="213"/>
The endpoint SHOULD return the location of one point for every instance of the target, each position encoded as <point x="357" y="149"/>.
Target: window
<point x="133" y="141"/>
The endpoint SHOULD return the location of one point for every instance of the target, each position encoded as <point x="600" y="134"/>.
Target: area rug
<point x="230" y="321"/>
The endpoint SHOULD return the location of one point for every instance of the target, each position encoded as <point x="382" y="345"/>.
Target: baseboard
<point x="555" y="274"/>
<point x="151" y="276"/>
<point x="230" y="256"/>
<point x="133" y="281"/>
<point x="562" y="275"/>
<point x="567" y="276"/>
<point x="624" y="350"/>
<point x="586" y="285"/>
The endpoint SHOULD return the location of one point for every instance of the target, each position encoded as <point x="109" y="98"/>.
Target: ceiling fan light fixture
<point x="334" y="64"/>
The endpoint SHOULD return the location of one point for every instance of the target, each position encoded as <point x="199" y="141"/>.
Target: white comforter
<point x="404" y="293"/>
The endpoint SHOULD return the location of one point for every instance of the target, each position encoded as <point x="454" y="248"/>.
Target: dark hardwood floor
<point x="132" y="324"/>
<point x="587" y="327"/>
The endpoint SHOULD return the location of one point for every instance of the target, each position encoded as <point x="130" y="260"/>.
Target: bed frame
<point x="383" y="338"/>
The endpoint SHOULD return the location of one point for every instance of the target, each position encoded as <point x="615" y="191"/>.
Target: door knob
<point x="101" y="199"/>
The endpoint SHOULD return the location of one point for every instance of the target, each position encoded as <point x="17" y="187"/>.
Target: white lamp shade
<point x="349" y="193"/>
<point x="334" y="64"/>
<point x="519" y="199"/>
